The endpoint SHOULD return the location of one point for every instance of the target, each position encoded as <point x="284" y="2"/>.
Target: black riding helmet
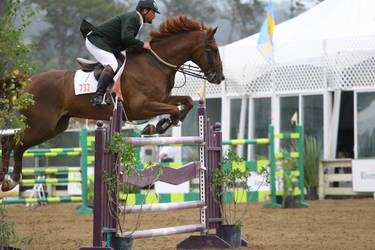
<point x="147" y="4"/>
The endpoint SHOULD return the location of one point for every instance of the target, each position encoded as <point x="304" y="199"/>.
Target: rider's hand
<point x="146" y="45"/>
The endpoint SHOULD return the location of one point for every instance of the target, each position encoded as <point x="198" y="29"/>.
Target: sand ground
<point x="328" y="224"/>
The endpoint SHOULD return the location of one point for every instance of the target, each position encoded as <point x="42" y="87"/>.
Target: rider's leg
<point x="108" y="60"/>
<point x="105" y="79"/>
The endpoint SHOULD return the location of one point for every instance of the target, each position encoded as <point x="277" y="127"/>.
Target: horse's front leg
<point x="153" y="109"/>
<point x="181" y="100"/>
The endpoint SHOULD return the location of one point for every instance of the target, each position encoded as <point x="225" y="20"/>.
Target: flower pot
<point x="122" y="243"/>
<point x="290" y="202"/>
<point x="312" y="193"/>
<point x="232" y="234"/>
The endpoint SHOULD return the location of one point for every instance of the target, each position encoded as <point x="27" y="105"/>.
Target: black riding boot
<point x="105" y="79"/>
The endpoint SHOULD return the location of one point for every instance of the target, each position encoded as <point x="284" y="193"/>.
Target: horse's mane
<point x="174" y="25"/>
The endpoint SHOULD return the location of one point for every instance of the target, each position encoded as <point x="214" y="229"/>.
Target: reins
<point x="190" y="70"/>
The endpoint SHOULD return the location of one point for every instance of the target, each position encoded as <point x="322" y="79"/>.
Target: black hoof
<point x="163" y="125"/>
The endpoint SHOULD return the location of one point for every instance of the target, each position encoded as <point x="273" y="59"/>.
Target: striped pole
<point x="40" y="200"/>
<point x="49" y="181"/>
<point x="301" y="183"/>
<point x="48" y="171"/>
<point x="271" y="135"/>
<point x="83" y="209"/>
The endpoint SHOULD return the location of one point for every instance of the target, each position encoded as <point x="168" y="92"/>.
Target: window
<point x="366" y="124"/>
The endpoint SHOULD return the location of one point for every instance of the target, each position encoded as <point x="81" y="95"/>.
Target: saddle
<point x="97" y="67"/>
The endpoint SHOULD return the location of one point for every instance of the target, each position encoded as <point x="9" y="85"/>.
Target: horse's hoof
<point x="149" y="130"/>
<point x="9" y="184"/>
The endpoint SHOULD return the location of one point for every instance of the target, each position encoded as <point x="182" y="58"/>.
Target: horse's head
<point x="203" y="49"/>
<point x="207" y="56"/>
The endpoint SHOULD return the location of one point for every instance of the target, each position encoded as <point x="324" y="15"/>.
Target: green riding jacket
<point x="118" y="33"/>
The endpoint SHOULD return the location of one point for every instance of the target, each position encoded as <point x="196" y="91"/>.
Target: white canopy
<point x="303" y="39"/>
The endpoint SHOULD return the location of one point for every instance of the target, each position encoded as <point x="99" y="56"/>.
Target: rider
<point x="116" y="35"/>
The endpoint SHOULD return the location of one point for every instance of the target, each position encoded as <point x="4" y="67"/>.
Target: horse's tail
<point x="8" y="84"/>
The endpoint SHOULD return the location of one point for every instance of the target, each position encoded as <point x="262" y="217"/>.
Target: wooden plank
<point x="338" y="177"/>
<point x="340" y="191"/>
<point x="337" y="163"/>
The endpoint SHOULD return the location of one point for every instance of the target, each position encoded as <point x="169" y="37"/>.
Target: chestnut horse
<point x="145" y="86"/>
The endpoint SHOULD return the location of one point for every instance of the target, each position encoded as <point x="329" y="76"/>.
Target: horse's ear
<point x="214" y="31"/>
<point x="202" y="25"/>
<point x="211" y="33"/>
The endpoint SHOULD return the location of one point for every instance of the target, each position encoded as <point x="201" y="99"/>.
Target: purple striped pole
<point x="162" y="206"/>
<point x="164" y="140"/>
<point x="165" y="231"/>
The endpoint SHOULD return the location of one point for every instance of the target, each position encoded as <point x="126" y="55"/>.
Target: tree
<point x="15" y="57"/>
<point x="195" y="9"/>
<point x="245" y="17"/>
<point x="296" y="7"/>
<point x="62" y="39"/>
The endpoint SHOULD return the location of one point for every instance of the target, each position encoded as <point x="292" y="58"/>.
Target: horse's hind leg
<point x="10" y="183"/>
<point x="7" y="145"/>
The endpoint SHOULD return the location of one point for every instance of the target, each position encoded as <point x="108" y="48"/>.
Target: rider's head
<point x="147" y="8"/>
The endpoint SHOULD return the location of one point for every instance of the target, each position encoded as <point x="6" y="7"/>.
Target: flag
<point x="265" y="41"/>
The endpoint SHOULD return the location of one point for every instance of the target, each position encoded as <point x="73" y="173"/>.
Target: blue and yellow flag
<point x="265" y="41"/>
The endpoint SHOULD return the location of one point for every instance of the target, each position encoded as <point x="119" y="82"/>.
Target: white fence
<point x="327" y="177"/>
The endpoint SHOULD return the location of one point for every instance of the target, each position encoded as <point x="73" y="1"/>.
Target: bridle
<point x="187" y="69"/>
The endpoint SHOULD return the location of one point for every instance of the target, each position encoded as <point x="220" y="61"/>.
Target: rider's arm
<point x="129" y="30"/>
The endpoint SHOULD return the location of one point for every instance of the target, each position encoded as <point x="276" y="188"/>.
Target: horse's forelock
<point x="175" y="25"/>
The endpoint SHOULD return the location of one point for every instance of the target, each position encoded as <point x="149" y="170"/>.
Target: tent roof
<point x="330" y="28"/>
<point x="327" y="20"/>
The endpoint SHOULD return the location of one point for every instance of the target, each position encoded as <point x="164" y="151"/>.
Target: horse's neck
<point x="176" y="49"/>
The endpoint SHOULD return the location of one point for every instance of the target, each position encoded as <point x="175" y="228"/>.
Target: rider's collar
<point x="140" y="17"/>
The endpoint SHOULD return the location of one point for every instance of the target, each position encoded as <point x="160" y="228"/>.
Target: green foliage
<point x="312" y="152"/>
<point x="126" y="162"/>
<point x="14" y="65"/>
<point x="289" y="165"/>
<point x="230" y="184"/>
<point x="8" y="233"/>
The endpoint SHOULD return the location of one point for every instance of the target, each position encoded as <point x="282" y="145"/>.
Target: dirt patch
<point x="329" y="224"/>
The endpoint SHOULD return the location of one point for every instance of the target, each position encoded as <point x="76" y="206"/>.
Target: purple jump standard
<point x="210" y="154"/>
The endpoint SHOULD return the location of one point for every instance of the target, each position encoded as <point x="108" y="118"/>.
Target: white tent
<point x="303" y="39"/>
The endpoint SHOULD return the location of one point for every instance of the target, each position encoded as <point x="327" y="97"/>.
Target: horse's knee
<point x="189" y="103"/>
<point x="175" y="116"/>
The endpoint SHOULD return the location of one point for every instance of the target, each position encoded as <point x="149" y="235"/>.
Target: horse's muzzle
<point x="215" y="78"/>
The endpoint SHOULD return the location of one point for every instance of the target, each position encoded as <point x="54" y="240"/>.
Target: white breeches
<point x="104" y="57"/>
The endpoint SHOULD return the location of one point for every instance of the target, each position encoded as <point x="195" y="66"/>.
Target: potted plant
<point x="290" y="182"/>
<point x="126" y="162"/>
<point x="232" y="185"/>
<point x="312" y="153"/>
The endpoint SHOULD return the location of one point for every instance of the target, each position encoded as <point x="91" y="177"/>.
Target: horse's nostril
<point x="222" y="77"/>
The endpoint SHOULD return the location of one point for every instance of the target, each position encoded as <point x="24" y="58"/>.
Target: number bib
<point x="84" y="83"/>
